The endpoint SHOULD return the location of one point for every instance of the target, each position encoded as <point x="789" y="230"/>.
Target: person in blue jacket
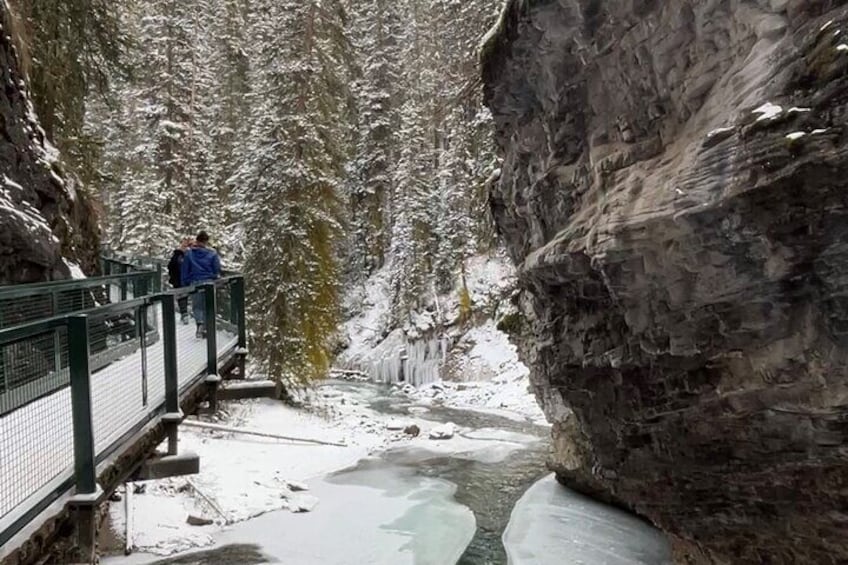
<point x="201" y="264"/>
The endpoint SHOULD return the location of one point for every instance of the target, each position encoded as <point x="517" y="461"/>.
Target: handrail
<point x="28" y="329"/>
<point x="30" y="289"/>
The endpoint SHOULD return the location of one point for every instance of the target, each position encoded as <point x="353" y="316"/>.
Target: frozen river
<point x="483" y="497"/>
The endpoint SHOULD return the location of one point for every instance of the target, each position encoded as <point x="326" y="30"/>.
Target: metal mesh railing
<point x="115" y="358"/>
<point x="121" y="374"/>
<point x="21" y="304"/>
<point x="31" y="367"/>
<point x="226" y="317"/>
<point x="35" y="444"/>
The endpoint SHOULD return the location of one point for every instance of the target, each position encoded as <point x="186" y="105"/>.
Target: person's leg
<point x="199" y="307"/>
<point x="183" y="305"/>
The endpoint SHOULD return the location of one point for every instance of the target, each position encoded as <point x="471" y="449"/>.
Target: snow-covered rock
<point x="396" y="425"/>
<point x="445" y="431"/>
<point x="296" y="486"/>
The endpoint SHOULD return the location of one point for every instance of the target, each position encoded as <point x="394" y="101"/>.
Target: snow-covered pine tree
<point x="157" y="157"/>
<point x="375" y="24"/>
<point x="411" y="230"/>
<point x="230" y="112"/>
<point x="291" y="178"/>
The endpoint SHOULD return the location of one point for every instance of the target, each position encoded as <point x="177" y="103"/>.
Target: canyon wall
<point x="44" y="221"/>
<point x="675" y="193"/>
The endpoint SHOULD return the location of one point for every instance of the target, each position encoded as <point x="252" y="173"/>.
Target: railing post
<point x="81" y="404"/>
<point x="238" y="317"/>
<point x="141" y="324"/>
<point x="173" y="416"/>
<point x="57" y="340"/>
<point x="211" y="327"/>
<point x="88" y="493"/>
<point x="157" y="282"/>
<point x="238" y="313"/>
<point x="212" y="377"/>
<point x="124" y="270"/>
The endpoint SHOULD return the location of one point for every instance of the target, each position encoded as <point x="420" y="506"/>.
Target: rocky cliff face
<point x="675" y="191"/>
<point x="43" y="219"/>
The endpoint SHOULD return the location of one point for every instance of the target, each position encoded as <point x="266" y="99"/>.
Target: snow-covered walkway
<point x="36" y="441"/>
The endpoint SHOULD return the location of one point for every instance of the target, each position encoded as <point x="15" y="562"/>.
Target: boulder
<point x="445" y="431"/>
<point x="193" y="520"/>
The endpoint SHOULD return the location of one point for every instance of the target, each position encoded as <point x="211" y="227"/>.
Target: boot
<point x="184" y="318"/>
<point x="200" y="333"/>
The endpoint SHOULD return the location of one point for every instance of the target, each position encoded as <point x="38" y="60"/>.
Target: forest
<point x="317" y="142"/>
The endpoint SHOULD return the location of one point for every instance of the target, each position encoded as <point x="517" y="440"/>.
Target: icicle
<point x="417" y="363"/>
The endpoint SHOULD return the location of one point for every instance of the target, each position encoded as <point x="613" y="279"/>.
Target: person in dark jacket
<point x="200" y="264"/>
<point x="175" y="275"/>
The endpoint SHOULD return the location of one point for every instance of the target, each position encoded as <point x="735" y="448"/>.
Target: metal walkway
<point x="85" y="365"/>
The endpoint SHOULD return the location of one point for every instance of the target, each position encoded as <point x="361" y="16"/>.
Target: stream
<point x="449" y="504"/>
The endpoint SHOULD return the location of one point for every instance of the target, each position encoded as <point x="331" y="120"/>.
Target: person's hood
<point x="202" y="252"/>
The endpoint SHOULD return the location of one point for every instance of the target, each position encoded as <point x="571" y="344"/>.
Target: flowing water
<point x="442" y="506"/>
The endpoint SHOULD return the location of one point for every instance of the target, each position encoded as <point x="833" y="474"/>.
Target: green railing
<point x="29" y="302"/>
<point x="77" y="383"/>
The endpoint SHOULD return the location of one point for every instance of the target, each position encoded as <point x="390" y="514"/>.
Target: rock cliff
<point x="675" y="193"/>
<point x="44" y="221"/>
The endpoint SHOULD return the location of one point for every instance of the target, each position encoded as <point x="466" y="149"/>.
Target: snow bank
<point x="551" y="521"/>
<point x="243" y="476"/>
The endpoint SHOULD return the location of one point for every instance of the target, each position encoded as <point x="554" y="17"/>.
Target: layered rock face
<point x="675" y="192"/>
<point x="43" y="220"/>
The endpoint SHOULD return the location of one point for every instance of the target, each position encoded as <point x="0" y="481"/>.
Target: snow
<point x="368" y="516"/>
<point x="797" y="110"/>
<point x="23" y="210"/>
<point x="817" y="131"/>
<point x="11" y="184"/>
<point x="247" y="477"/>
<point x="75" y="269"/>
<point x="375" y="348"/>
<point x="496" y="29"/>
<point x="445" y="431"/>
<point x="842" y="47"/>
<point x="551" y="521"/>
<point x="492" y="348"/>
<point x="250" y="384"/>
<point x="719" y="131"/>
<point x="768" y="111"/>
<point x="365" y="330"/>
<point x="826" y="25"/>
<point x="795" y="135"/>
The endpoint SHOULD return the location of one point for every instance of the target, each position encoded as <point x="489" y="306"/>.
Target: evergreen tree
<point x="291" y="180"/>
<point x="376" y="25"/>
